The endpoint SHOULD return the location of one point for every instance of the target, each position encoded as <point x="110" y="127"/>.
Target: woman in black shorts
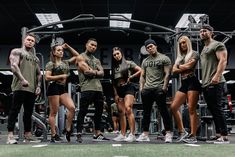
<point x="190" y="88"/>
<point x="57" y="72"/>
<point x="123" y="72"/>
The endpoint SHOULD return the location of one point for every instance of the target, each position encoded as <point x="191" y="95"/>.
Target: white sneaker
<point x="11" y="140"/>
<point x="116" y="132"/>
<point x="130" y="138"/>
<point x="120" y="138"/>
<point x="222" y="140"/>
<point x="168" y="137"/>
<point x="143" y="138"/>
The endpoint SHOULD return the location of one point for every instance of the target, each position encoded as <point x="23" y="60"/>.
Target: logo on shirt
<point x="156" y="64"/>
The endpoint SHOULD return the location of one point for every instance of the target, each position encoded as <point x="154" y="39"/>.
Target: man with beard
<point x="213" y="62"/>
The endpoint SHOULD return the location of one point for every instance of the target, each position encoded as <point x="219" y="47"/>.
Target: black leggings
<point x="157" y="95"/>
<point x="87" y="98"/>
<point x="213" y="96"/>
<point x="19" y="98"/>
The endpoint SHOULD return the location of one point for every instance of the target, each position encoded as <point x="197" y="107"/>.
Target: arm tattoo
<point x="15" y="60"/>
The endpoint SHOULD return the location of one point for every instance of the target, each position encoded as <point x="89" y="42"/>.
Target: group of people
<point x="154" y="75"/>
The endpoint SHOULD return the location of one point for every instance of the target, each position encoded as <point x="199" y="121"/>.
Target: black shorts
<point x="123" y="90"/>
<point x="55" y="89"/>
<point x="115" y="114"/>
<point x="190" y="84"/>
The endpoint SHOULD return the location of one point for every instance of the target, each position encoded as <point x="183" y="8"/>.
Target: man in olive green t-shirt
<point x="213" y="62"/>
<point x="154" y="81"/>
<point x="91" y="89"/>
<point x="25" y="86"/>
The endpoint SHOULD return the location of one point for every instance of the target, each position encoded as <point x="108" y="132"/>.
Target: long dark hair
<point x="52" y="56"/>
<point x="122" y="64"/>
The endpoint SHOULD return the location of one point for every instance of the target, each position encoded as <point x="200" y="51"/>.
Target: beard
<point x="204" y="39"/>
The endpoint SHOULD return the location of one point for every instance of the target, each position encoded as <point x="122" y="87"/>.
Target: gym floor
<point x="88" y="148"/>
<point x="87" y="139"/>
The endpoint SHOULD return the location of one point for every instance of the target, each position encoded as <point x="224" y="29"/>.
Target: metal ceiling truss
<point x="170" y="34"/>
<point x="46" y="31"/>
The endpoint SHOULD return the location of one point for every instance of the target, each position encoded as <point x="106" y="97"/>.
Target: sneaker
<point x="116" y="132"/>
<point x="31" y="138"/>
<point x="11" y="140"/>
<point x="222" y="140"/>
<point x="190" y="139"/>
<point x="168" y="137"/>
<point x="120" y="138"/>
<point x="181" y="136"/>
<point x="130" y="138"/>
<point x="79" y="138"/>
<point x="55" y="138"/>
<point x="68" y="135"/>
<point x="212" y="139"/>
<point x="100" y="137"/>
<point x="143" y="138"/>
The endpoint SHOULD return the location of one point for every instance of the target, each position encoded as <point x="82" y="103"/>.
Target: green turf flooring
<point x="123" y="150"/>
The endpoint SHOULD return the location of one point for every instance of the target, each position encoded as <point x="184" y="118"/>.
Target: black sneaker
<point x="55" y="138"/>
<point x="79" y="138"/>
<point x="190" y="139"/>
<point x="212" y="139"/>
<point x="100" y="137"/>
<point x="68" y="135"/>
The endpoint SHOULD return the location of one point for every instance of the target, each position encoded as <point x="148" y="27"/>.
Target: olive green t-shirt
<point x="63" y="68"/>
<point x="209" y="62"/>
<point x="88" y="83"/>
<point x="118" y="72"/>
<point x="123" y="73"/>
<point x="195" y="55"/>
<point x="154" y="70"/>
<point x="28" y="67"/>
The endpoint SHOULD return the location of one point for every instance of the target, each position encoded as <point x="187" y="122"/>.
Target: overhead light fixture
<point x="120" y="24"/>
<point x="187" y="19"/>
<point x="6" y="72"/>
<point x="204" y="19"/>
<point x="47" y="18"/>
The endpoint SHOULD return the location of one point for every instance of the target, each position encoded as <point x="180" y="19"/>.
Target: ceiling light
<point x="120" y="24"/>
<point x="184" y="20"/>
<point x="47" y="18"/>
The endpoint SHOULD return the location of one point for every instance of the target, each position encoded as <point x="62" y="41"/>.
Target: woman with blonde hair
<point x="189" y="91"/>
